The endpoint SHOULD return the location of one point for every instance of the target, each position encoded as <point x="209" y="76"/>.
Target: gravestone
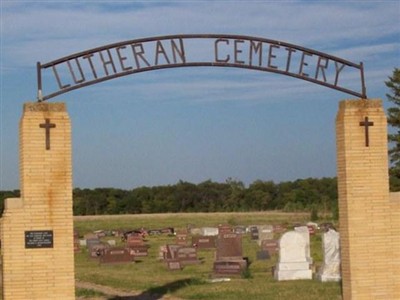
<point x="204" y="242"/>
<point x="134" y="240"/>
<point x="254" y="233"/>
<point x="293" y="263"/>
<point x="229" y="255"/>
<point x="195" y="231"/>
<point x="271" y="246"/>
<point x="116" y="255"/>
<point x="91" y="242"/>
<point x="37" y="228"/>
<point x="265" y="232"/>
<point x="174" y="265"/>
<point x="97" y="250"/>
<point x="171" y="251"/>
<point x="263" y="255"/>
<point x="181" y="238"/>
<point x="278" y="228"/>
<point x="187" y="255"/>
<point x="229" y="247"/>
<point x="224" y="228"/>
<point x="239" y="230"/>
<point x="112" y="243"/>
<point x="330" y="269"/>
<point x="137" y="246"/>
<point x="139" y="251"/>
<point x="209" y="231"/>
<point x="304" y="231"/>
<point x="227" y="267"/>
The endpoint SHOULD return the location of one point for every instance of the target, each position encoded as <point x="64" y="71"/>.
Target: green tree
<point x="394" y="120"/>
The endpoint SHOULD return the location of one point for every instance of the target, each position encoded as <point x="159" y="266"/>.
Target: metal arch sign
<point x="195" y="50"/>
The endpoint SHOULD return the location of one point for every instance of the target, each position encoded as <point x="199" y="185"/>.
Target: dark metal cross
<point x="366" y="125"/>
<point x="47" y="126"/>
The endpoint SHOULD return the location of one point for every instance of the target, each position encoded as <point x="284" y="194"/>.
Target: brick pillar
<point x="37" y="229"/>
<point x="368" y="250"/>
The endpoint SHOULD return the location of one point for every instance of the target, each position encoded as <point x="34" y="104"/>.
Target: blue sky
<point x="193" y="124"/>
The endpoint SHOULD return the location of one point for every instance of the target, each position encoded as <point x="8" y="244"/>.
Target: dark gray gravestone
<point x="91" y="242"/>
<point x="263" y="255"/>
<point x="272" y="246"/>
<point x="254" y="233"/>
<point x="240" y="230"/>
<point x="204" y="242"/>
<point x="116" y="256"/>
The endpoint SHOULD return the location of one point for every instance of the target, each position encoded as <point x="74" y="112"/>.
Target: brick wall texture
<point x="45" y="204"/>
<point x="368" y="215"/>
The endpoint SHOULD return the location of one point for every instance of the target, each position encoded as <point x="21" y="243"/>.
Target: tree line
<point x="311" y="194"/>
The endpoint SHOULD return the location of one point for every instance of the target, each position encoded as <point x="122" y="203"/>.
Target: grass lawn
<point x="193" y="282"/>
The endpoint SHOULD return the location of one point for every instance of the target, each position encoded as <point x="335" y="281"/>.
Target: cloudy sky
<point x="193" y="124"/>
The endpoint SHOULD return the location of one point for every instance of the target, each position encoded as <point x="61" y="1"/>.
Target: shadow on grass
<point x="158" y="292"/>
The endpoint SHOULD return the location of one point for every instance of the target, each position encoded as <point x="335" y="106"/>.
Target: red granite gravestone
<point x="134" y="240"/>
<point x="279" y="228"/>
<point x="229" y="247"/>
<point x="224" y="229"/>
<point x="204" y="242"/>
<point x="170" y="254"/>
<point x="139" y="251"/>
<point x="116" y="256"/>
<point x="137" y="246"/>
<point x="229" y="255"/>
<point x="227" y="268"/>
<point x="174" y="265"/>
<point x="181" y="238"/>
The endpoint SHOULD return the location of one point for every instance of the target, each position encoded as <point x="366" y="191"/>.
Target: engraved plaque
<point x="39" y="239"/>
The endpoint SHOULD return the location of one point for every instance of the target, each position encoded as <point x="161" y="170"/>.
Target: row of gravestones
<point x="226" y="241"/>
<point x="107" y="253"/>
<point x="294" y="251"/>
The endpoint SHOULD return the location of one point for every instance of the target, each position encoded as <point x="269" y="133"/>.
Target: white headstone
<point x="330" y="270"/>
<point x="293" y="263"/>
<point x="303" y="230"/>
<point x="209" y="231"/>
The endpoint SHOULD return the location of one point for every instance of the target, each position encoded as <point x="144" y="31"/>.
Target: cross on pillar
<point x="47" y="126"/>
<point x="366" y="125"/>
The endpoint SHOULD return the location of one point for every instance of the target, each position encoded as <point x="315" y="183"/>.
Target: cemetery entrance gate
<point x="37" y="228"/>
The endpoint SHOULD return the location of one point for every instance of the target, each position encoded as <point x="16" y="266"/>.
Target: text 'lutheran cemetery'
<point x="37" y="235"/>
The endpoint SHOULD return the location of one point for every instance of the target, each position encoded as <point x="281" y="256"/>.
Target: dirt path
<point x="114" y="294"/>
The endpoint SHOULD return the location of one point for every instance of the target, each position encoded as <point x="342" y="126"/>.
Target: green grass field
<point x="149" y="275"/>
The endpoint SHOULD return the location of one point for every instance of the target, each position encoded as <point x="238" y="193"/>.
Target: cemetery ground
<point x="149" y="278"/>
